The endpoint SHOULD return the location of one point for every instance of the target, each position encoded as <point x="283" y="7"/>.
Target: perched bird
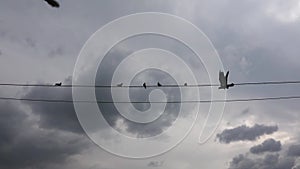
<point x="120" y="85"/>
<point x="58" y="84"/>
<point x="144" y="85"/>
<point x="185" y="84"/>
<point x="53" y="3"/>
<point x="224" y="80"/>
<point x="158" y="84"/>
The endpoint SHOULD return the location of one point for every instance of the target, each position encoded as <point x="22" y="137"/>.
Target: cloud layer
<point x="269" y="145"/>
<point x="245" y="133"/>
<point x="24" y="144"/>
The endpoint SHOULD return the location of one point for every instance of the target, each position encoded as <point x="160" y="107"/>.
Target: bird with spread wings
<point x="224" y="80"/>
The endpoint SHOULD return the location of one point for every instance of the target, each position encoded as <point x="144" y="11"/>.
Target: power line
<point x="140" y="86"/>
<point x="269" y="83"/>
<point x="155" y="102"/>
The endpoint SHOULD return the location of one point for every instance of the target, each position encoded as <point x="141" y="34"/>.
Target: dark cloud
<point x="143" y="129"/>
<point x="294" y="150"/>
<point x="245" y="133"/>
<point x="24" y="145"/>
<point x="272" y="160"/>
<point x="58" y="115"/>
<point x="269" y="145"/>
<point x="150" y="76"/>
<point x="11" y="122"/>
<point x="269" y="161"/>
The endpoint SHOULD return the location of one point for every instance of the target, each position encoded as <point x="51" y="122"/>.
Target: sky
<point x="256" y="41"/>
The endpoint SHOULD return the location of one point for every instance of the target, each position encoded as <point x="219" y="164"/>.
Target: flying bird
<point x="58" y="84"/>
<point x="158" y="84"/>
<point x="53" y="3"/>
<point x="144" y="85"/>
<point x="120" y="85"/>
<point x="224" y="81"/>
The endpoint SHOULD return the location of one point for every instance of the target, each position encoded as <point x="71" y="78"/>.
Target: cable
<point x="150" y="86"/>
<point x="103" y="86"/>
<point x="269" y="83"/>
<point x="187" y="101"/>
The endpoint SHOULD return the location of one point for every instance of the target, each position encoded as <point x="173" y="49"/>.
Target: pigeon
<point x="158" y="84"/>
<point x="58" y="84"/>
<point x="224" y="81"/>
<point x="144" y="85"/>
<point x="120" y="85"/>
<point x="53" y="3"/>
<point x="185" y="84"/>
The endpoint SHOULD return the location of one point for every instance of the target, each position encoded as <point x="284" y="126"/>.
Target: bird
<point x="158" y="84"/>
<point x="120" y="85"/>
<point x="224" y="80"/>
<point x="144" y="85"/>
<point x="185" y="84"/>
<point x="52" y="3"/>
<point x="58" y="84"/>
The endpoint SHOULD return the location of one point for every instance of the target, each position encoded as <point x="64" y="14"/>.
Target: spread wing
<point x="222" y="78"/>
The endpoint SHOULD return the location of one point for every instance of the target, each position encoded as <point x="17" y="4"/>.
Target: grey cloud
<point x="58" y="115"/>
<point x="150" y="76"/>
<point x="11" y="122"/>
<point x="252" y="34"/>
<point x="245" y="133"/>
<point x="294" y="150"/>
<point x="269" y="145"/>
<point x="269" y="161"/>
<point x="24" y="145"/>
<point x="278" y="160"/>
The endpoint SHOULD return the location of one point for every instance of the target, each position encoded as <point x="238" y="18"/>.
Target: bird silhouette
<point x="158" y="84"/>
<point x="120" y="85"/>
<point x="144" y="85"/>
<point x="224" y="81"/>
<point x="58" y="84"/>
<point x="52" y="3"/>
<point x="185" y="84"/>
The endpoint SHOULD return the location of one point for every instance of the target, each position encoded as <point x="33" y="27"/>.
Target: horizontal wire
<point x="140" y="86"/>
<point x="187" y="101"/>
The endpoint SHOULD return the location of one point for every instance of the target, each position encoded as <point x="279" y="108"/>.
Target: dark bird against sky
<point x="53" y="3"/>
<point x="224" y="80"/>
<point x="58" y="84"/>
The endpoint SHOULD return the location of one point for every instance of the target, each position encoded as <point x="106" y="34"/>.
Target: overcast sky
<point x="256" y="40"/>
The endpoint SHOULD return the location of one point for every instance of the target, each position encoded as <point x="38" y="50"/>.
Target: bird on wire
<point x="224" y="81"/>
<point x="120" y="85"/>
<point x="58" y="84"/>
